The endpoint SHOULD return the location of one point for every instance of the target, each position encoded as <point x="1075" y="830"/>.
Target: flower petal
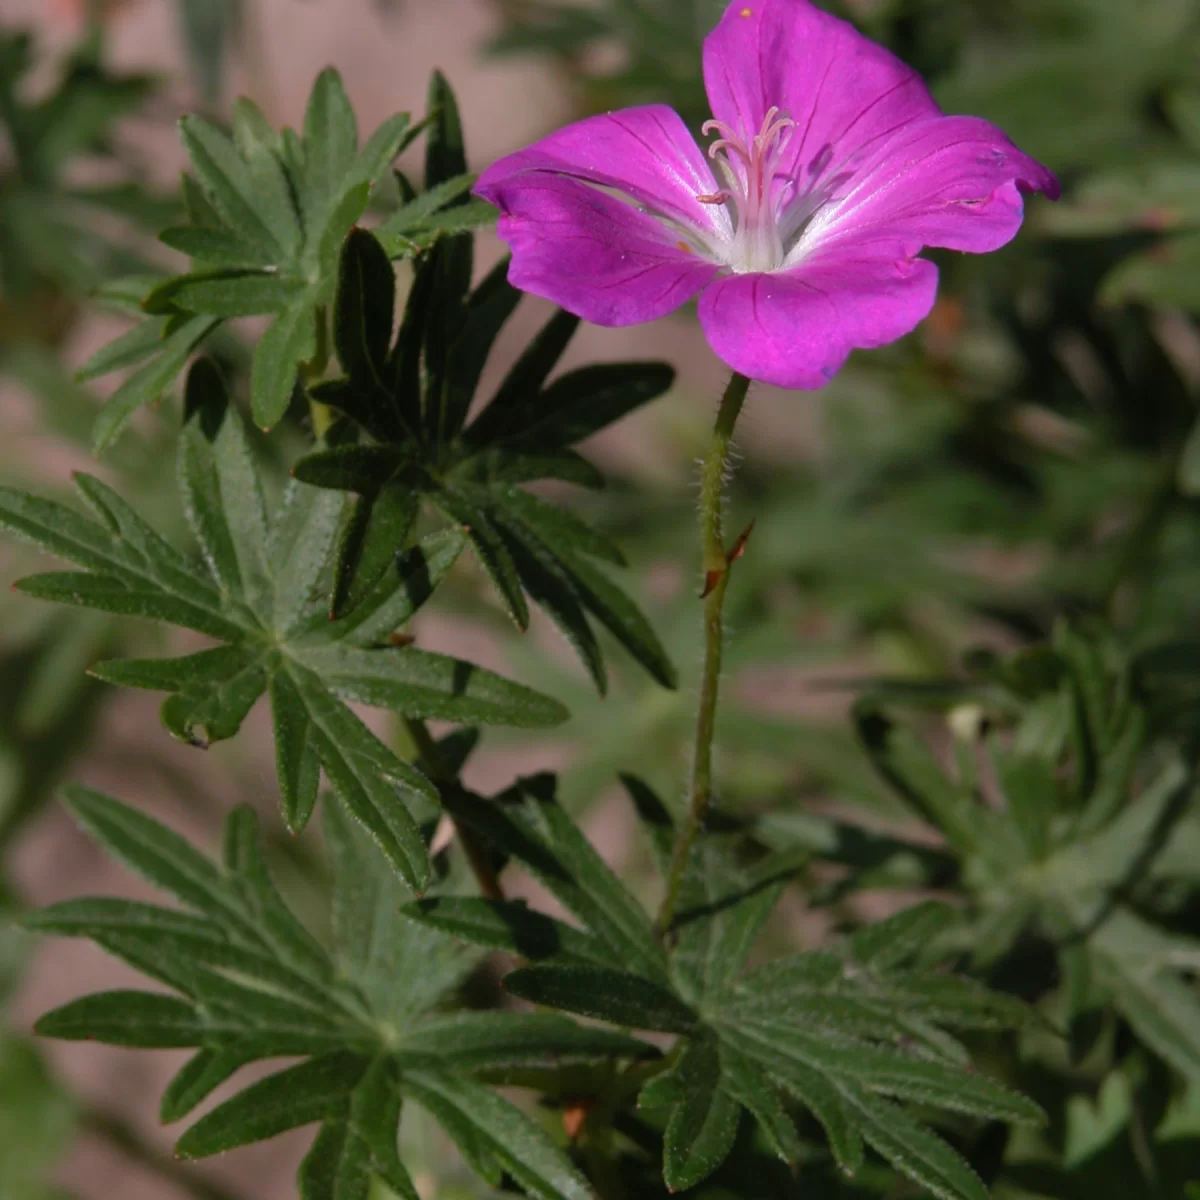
<point x="795" y="329"/>
<point x="955" y="182"/>
<point x="842" y="90"/>
<point x="592" y="254"/>
<point x="647" y="153"/>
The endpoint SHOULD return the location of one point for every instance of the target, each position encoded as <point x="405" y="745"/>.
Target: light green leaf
<point x="232" y="187"/>
<point x="290" y="341"/>
<point x="300" y="1095"/>
<point x="378" y="789"/>
<point x="146" y="384"/>
<point x="482" y="1123"/>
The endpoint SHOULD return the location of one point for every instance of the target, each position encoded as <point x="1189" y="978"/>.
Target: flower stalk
<point x="716" y="563"/>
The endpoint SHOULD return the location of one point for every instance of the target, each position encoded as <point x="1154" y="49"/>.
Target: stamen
<point x="749" y="165"/>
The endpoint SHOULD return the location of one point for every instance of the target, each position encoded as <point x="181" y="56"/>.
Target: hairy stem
<point x="119" y="1133"/>
<point x="716" y="562"/>
<point x="476" y="852"/>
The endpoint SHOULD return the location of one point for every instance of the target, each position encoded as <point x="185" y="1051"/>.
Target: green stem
<point x="716" y="562"/>
<point x="129" y="1141"/>
<point x="427" y="748"/>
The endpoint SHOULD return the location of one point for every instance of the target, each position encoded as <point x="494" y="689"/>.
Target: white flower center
<point x="748" y="167"/>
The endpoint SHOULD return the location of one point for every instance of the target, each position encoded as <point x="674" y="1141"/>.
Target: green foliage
<point x="1088" y="806"/>
<point x="261" y="589"/>
<point x="57" y="234"/>
<point x="845" y="1032"/>
<point x="267" y="214"/>
<point x="35" y="1114"/>
<point x="250" y="983"/>
<point x="409" y="402"/>
<point x="1025" y="457"/>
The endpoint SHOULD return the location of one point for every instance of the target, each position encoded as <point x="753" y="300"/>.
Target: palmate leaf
<point x="853" y="1033"/>
<point x="260" y="590"/>
<point x="444" y="208"/>
<point x="368" y="1020"/>
<point x="410" y="401"/>
<point x="268" y="213"/>
<point x="1095" y="811"/>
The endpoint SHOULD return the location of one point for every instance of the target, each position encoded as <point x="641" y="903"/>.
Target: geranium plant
<point x="629" y="1050"/>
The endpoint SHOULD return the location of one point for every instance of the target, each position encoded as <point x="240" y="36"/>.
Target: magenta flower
<point x="831" y="170"/>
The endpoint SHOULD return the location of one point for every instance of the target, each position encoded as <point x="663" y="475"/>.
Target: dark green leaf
<point x="377" y="788"/>
<point x="525" y="380"/>
<point x="321" y="254"/>
<point x="490" y="306"/>
<point x="290" y="341"/>
<point x="376" y="945"/>
<point x="146" y="384"/>
<point x="360" y="1144"/>
<point x="297" y="760"/>
<point x="303" y="536"/>
<point x="753" y="1090"/>
<point x="490" y="1041"/>
<point x="557" y="526"/>
<point x="621" y="617"/>
<point x="608" y="995"/>
<point x="490" y="548"/>
<point x="489" y="1130"/>
<point x="721" y="911"/>
<point x="420" y="684"/>
<point x="896" y="939"/>
<point x="211" y="245"/>
<point x="158" y="855"/>
<point x="112" y="594"/>
<point x="348" y="468"/>
<point x="544" y="839"/>
<point x="703" y="1125"/>
<point x="300" y="1095"/>
<point x="196" y="1080"/>
<point x="364" y="308"/>
<point x="912" y="770"/>
<point x="445" y="157"/>
<point x="201" y="714"/>
<point x="330" y="143"/>
<point x="916" y="1152"/>
<point x="225" y="292"/>
<point x="407" y="580"/>
<point x="584" y="401"/>
<point x="512" y="927"/>
<point x="374" y="532"/>
<point x="222" y="495"/>
<point x="140" y="1019"/>
<point x="551" y="588"/>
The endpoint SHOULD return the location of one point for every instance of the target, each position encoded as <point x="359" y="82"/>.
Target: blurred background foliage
<point x="996" y="531"/>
